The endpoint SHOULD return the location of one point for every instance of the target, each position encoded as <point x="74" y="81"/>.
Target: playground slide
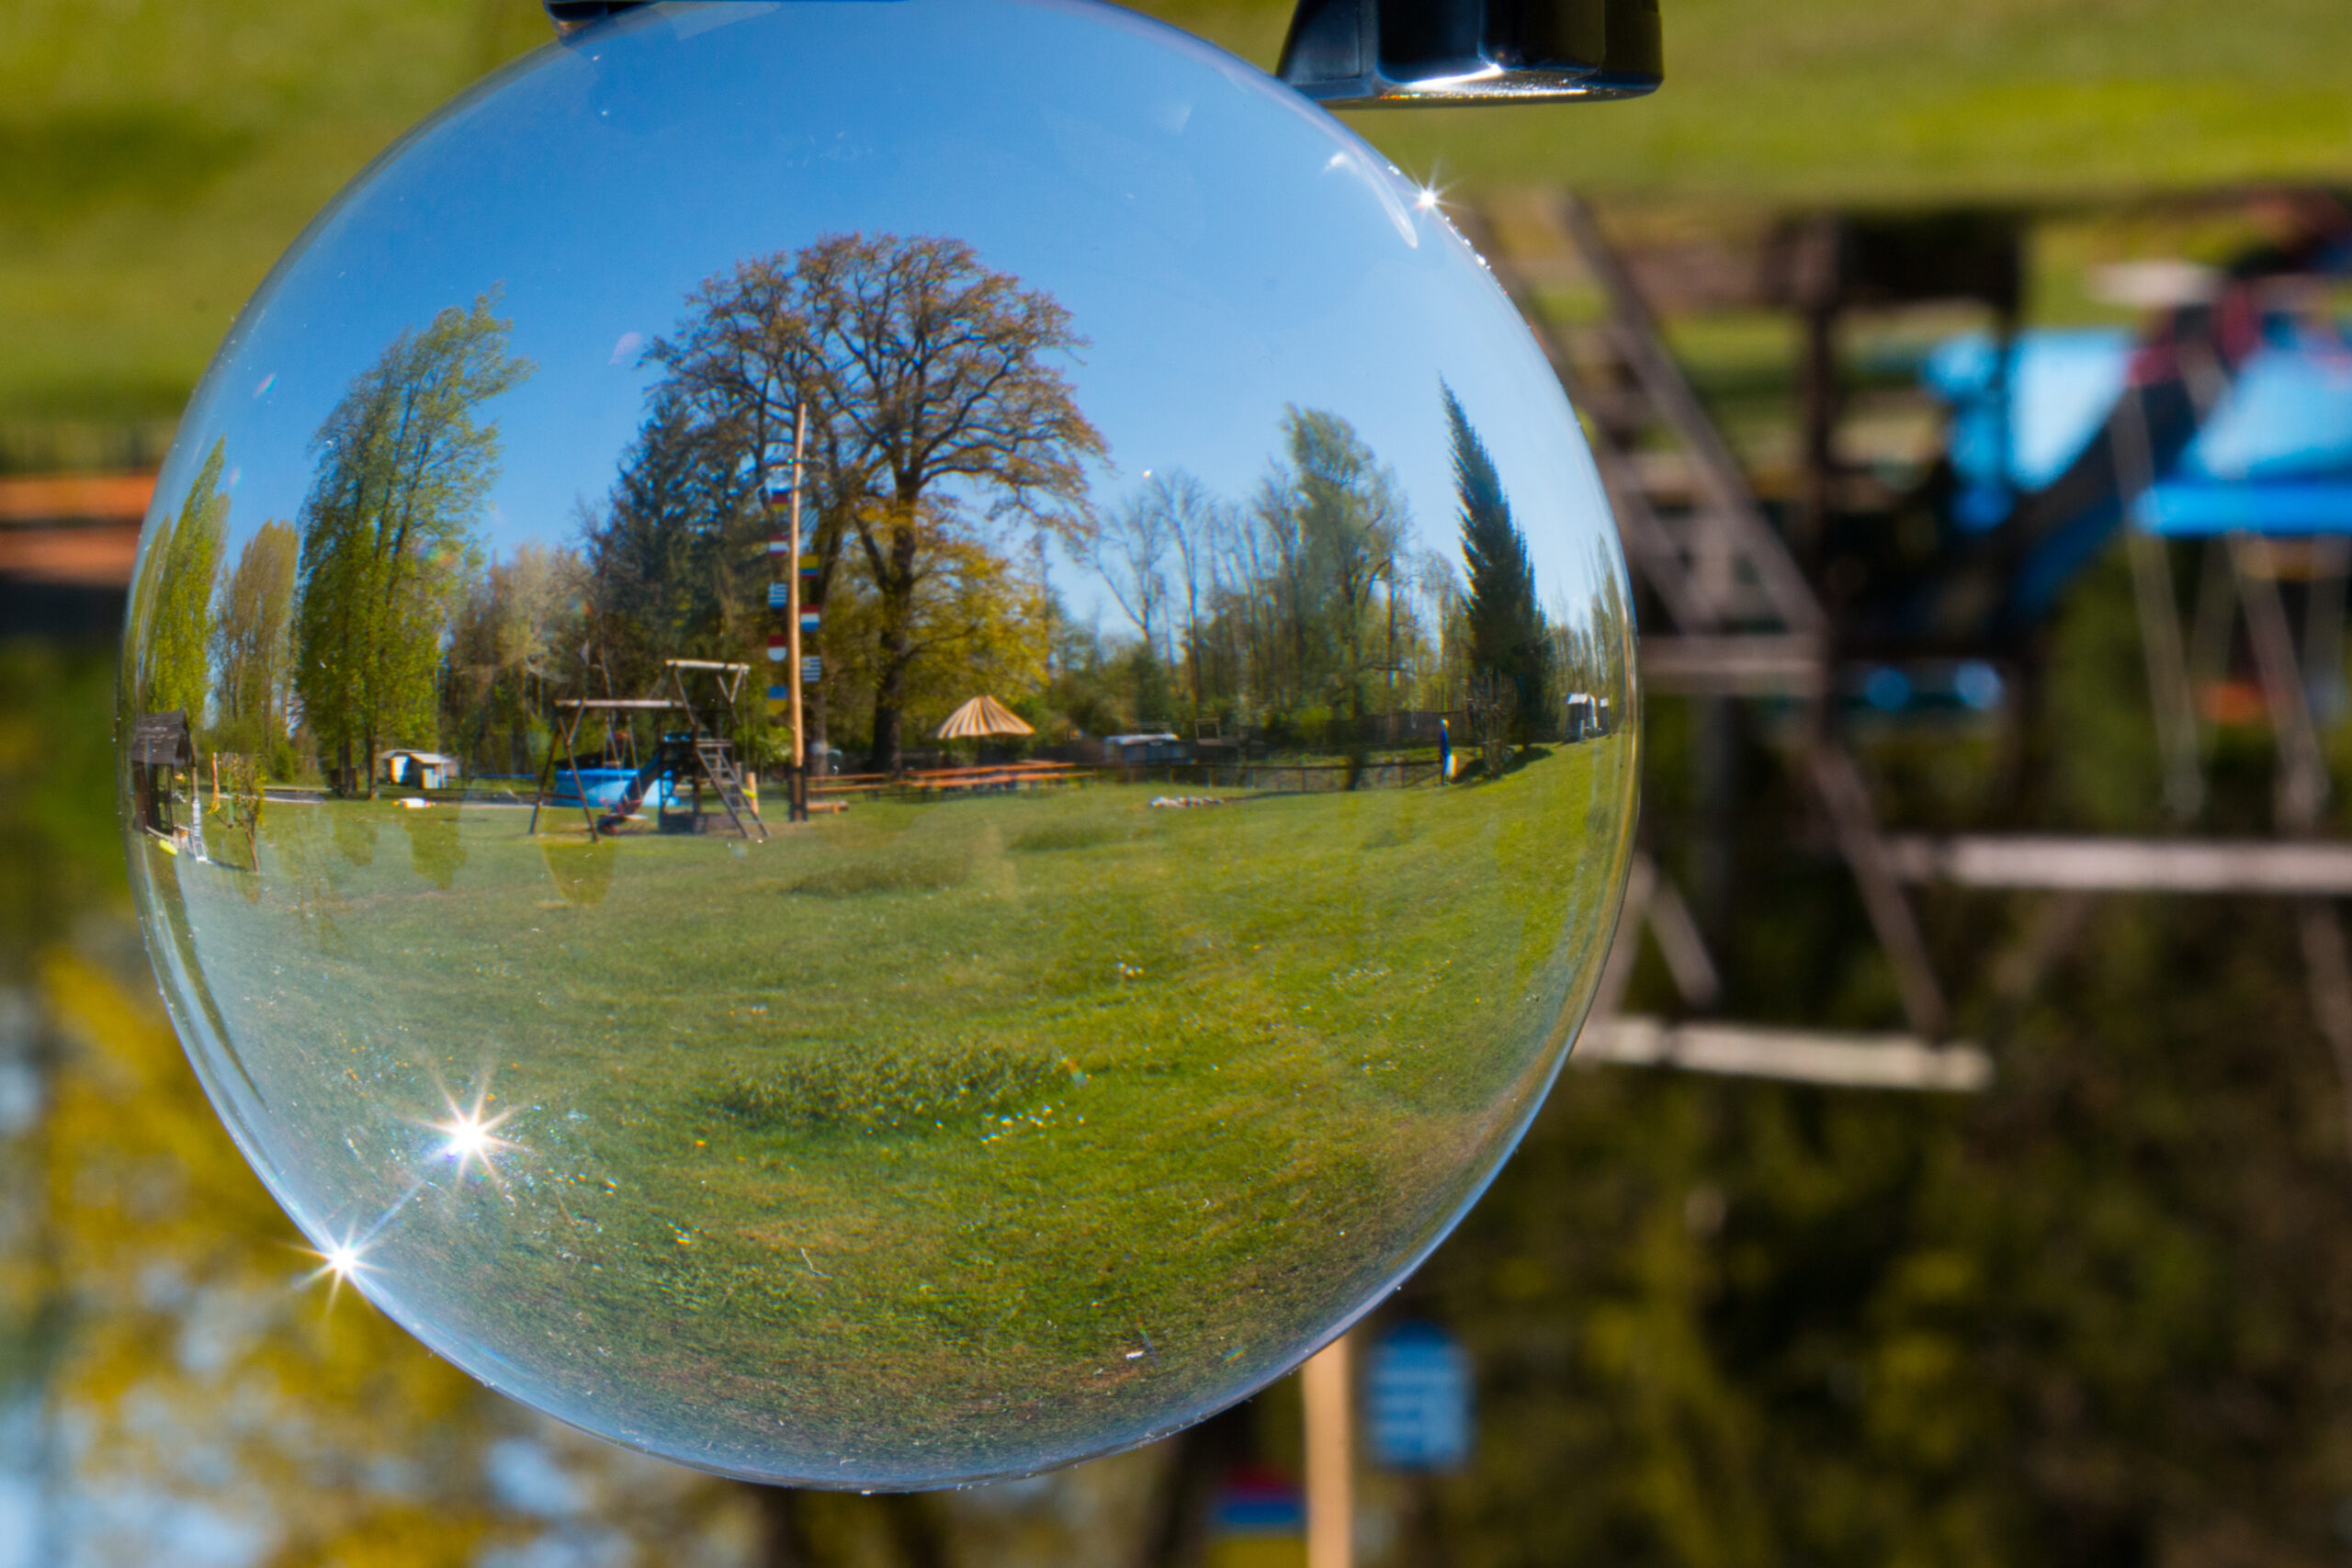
<point x="2234" y="409"/>
<point x="632" y="795"/>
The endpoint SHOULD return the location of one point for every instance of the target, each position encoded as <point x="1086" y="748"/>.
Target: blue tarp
<point x="2278" y="507"/>
<point x="2274" y="457"/>
<point x="2061" y="385"/>
<point x="2288" y="415"/>
<point x="602" y="786"/>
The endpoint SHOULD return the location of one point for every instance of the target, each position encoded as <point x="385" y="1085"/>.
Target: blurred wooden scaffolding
<point x="1742" y="622"/>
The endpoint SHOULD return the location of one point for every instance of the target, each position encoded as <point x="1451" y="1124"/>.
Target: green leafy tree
<point x="1338" y="519"/>
<point x="977" y="624"/>
<point x="252" y="645"/>
<point x="387" y="530"/>
<point x="516" y="640"/>
<point x="176" y="612"/>
<point x="1509" y="642"/>
<point x="678" y="561"/>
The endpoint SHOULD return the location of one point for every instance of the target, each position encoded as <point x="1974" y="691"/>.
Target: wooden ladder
<point x="715" y="760"/>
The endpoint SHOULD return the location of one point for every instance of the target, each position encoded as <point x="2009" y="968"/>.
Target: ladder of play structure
<point x="715" y="763"/>
<point x="1744" y="619"/>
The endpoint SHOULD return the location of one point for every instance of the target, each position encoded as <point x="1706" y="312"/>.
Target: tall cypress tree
<point x="1509" y="640"/>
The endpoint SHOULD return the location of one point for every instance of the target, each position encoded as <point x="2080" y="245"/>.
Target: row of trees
<point x="342" y="622"/>
<point x="1312" y="599"/>
<point x="945" y="450"/>
<point x="945" y="463"/>
<point x="216" y="639"/>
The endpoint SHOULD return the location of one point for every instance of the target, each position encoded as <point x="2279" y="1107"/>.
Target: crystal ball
<point x="878" y="744"/>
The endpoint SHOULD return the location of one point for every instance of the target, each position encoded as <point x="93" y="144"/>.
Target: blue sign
<point x="1257" y="1504"/>
<point x="1417" y="1395"/>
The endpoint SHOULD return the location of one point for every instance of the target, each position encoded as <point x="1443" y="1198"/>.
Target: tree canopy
<point x="1337" y="520"/>
<point x="174" y="604"/>
<point x="252" y="642"/>
<point x="938" y="409"/>
<point x="388" y="529"/>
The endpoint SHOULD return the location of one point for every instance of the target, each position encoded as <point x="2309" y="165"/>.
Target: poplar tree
<point x="175" y="597"/>
<point x="388" y="530"/>
<point x="252" y="642"/>
<point x="1338" y="521"/>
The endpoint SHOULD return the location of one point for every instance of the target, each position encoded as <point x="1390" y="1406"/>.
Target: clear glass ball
<point x="1087" y="1055"/>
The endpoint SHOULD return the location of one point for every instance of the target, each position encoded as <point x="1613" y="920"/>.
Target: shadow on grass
<point x="868" y="1091"/>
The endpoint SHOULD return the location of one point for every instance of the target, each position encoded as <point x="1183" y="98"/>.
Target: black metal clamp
<point x="1405" y="53"/>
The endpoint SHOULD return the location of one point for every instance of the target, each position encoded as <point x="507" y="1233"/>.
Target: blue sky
<point x="1228" y="249"/>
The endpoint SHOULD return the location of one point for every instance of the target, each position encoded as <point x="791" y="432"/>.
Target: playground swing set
<point x="687" y="764"/>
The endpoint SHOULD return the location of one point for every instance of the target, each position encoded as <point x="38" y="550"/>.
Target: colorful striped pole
<point x="784" y="600"/>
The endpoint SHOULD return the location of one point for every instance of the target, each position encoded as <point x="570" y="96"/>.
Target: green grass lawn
<point x="932" y="1138"/>
<point x="156" y="157"/>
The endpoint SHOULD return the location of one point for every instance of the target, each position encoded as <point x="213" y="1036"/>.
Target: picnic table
<point x="998" y="776"/>
<point x="850" y="783"/>
<point x="925" y="782"/>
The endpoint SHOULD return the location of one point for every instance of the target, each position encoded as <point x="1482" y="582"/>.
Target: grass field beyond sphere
<point x="927" y="1141"/>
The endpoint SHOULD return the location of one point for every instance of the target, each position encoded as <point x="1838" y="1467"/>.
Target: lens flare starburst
<point x="470" y="1138"/>
<point x="340" y="1263"/>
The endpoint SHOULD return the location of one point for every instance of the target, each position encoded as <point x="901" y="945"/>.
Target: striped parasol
<point x="982" y="715"/>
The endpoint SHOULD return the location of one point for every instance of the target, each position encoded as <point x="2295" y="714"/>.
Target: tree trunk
<point x="784" y="1537"/>
<point x="1176" y="1521"/>
<point x="914" y="1530"/>
<point x="896" y="585"/>
<point x="891" y="695"/>
<point x="813" y="717"/>
<point x="816" y="713"/>
<point x="1355" y="665"/>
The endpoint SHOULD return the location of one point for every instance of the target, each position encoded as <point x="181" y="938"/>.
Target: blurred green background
<point x="2093" y="1319"/>
<point x="156" y="157"/>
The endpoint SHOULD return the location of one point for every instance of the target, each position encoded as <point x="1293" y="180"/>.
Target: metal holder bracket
<point x="1405" y="54"/>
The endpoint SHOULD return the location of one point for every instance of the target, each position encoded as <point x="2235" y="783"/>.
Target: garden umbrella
<point x="982" y="715"/>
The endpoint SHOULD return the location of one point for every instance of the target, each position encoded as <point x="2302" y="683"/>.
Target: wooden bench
<point x="1009" y="775"/>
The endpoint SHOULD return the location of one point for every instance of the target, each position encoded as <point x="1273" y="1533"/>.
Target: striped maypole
<point x="791" y="613"/>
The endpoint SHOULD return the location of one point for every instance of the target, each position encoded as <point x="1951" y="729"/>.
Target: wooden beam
<point x="76" y="555"/>
<point x="1731" y="502"/>
<point x="1792" y="1055"/>
<point x="75" y="498"/>
<point x="1327" y="1386"/>
<point x="1846" y="800"/>
<point x="2315" y="868"/>
<point x="1734" y="666"/>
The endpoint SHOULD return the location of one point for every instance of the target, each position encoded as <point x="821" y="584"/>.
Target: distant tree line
<point x="1310" y="603"/>
<point x="352" y="629"/>
<point x="944" y="468"/>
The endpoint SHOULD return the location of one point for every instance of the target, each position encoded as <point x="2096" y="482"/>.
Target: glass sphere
<point x="1211" y="676"/>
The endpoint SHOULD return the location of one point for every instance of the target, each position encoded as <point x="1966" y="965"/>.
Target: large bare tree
<point x="938" y="405"/>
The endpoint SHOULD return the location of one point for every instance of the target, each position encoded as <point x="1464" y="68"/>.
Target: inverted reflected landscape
<point x="1208" y="641"/>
